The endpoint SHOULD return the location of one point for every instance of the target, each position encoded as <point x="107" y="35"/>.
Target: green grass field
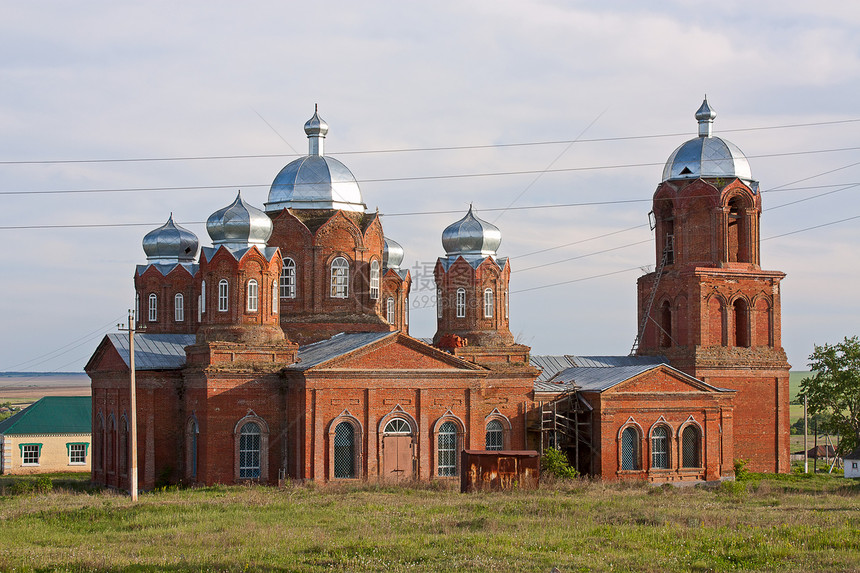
<point x="785" y="523"/>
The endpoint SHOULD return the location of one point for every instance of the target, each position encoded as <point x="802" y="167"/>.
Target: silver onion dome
<point x="392" y="254"/>
<point x="315" y="181"/>
<point x="471" y="236"/>
<point x="707" y="155"/>
<point x="170" y="243"/>
<point x="239" y="226"/>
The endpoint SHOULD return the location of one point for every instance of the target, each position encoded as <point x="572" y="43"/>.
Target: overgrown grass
<point x="764" y="523"/>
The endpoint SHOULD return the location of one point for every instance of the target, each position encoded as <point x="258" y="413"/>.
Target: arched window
<point x="495" y="435"/>
<point x="446" y="449"/>
<point x="488" y="303"/>
<point x="288" y="279"/>
<point x="439" y="303"/>
<point x="507" y="305"/>
<point x="389" y="310"/>
<point x="660" y="448"/>
<point x="179" y="307"/>
<point x="374" y="279"/>
<point x="137" y="307"/>
<point x="339" y="278"/>
<point x="223" y="291"/>
<point x="630" y="449"/>
<point x="249" y="451"/>
<point x="398" y="426"/>
<point x="153" y="307"/>
<point x="738" y="232"/>
<point x="406" y="311"/>
<point x="742" y="323"/>
<point x="202" y="297"/>
<point x="461" y="303"/>
<point x="344" y="451"/>
<point x="691" y="441"/>
<point x="275" y="300"/>
<point x="665" y="335"/>
<point x="253" y="296"/>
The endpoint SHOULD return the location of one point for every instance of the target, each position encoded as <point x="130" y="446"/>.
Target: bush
<point x="741" y="471"/>
<point x="43" y="484"/>
<point x="555" y="462"/>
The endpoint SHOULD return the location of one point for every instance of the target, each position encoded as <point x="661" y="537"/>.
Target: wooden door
<point x="397" y="457"/>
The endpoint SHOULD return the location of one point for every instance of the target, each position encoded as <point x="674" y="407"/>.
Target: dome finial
<point x="705" y="116"/>
<point x="316" y="128"/>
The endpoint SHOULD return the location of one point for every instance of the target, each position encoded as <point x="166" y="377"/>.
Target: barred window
<point x="30" y="454"/>
<point x="179" y="307"/>
<point x="660" y="448"/>
<point x="461" y="303"/>
<point x="447" y="449"/>
<point x="288" y="279"/>
<point x="253" y="296"/>
<point x="344" y="451"/>
<point x="690" y="444"/>
<point x="630" y="449"/>
<point x="488" y="303"/>
<point x="249" y="451"/>
<point x="389" y="310"/>
<point x="374" y="279"/>
<point x="223" y="291"/>
<point x="339" y="278"/>
<point x="439" y="303"/>
<point x="153" y="307"/>
<point x="495" y="434"/>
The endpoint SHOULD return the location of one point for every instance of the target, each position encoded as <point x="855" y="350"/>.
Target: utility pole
<point x="132" y="470"/>
<point x="805" y="437"/>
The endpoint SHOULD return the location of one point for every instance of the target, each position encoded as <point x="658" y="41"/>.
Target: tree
<point x="835" y="389"/>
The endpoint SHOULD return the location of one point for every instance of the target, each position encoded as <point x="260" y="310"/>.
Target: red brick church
<point x="283" y="350"/>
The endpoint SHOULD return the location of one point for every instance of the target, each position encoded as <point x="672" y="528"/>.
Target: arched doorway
<point x="397" y="450"/>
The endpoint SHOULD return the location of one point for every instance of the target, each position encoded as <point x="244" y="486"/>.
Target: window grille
<point x="488" y="303"/>
<point x="249" y="451"/>
<point x="288" y="279"/>
<point x="690" y="447"/>
<point x="660" y="448"/>
<point x="495" y="434"/>
<point x="447" y="449"/>
<point x="629" y="449"/>
<point x="30" y="454"/>
<point x="461" y="303"/>
<point x="339" y="278"/>
<point x="374" y="279"/>
<point x="438" y="303"/>
<point x="153" y="307"/>
<point x="253" y="296"/>
<point x="223" y="289"/>
<point x="77" y="453"/>
<point x="390" y="310"/>
<point x="344" y="451"/>
<point x="179" y="307"/>
<point x="398" y="426"/>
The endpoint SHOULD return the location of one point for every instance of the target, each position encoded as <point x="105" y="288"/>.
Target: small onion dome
<point x="707" y="155"/>
<point x="392" y="254"/>
<point x="315" y="181"/>
<point x="170" y="243"/>
<point x="471" y="236"/>
<point x="239" y="226"/>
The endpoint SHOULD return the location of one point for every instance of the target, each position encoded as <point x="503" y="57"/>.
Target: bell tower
<point x="709" y="307"/>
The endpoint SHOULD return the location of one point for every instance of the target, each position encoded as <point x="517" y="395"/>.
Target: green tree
<point x="834" y="389"/>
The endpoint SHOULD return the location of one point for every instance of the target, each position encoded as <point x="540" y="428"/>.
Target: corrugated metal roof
<point x="154" y="351"/>
<point x="338" y="345"/>
<point x="551" y="365"/>
<point x="52" y="415"/>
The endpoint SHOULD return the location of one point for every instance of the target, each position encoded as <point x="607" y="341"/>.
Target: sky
<point x="602" y="93"/>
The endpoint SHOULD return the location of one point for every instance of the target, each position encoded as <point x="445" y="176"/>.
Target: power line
<point x="415" y="149"/>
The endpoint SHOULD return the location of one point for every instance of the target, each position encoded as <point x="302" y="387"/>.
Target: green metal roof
<point x="52" y="415"/>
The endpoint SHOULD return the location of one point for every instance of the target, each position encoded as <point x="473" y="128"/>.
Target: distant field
<point x="25" y="388"/>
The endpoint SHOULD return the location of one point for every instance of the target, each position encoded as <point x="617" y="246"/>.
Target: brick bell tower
<point x="472" y="295"/>
<point x="709" y="307"/>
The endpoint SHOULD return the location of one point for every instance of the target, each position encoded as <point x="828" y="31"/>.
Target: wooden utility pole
<point x="805" y="437"/>
<point x="132" y="470"/>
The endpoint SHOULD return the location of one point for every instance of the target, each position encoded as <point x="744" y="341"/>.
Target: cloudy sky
<point x="88" y="86"/>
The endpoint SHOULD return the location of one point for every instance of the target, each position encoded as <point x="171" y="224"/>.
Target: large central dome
<point x="707" y="155"/>
<point x="315" y="181"/>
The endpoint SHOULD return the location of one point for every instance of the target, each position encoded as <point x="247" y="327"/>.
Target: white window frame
<point x="288" y="279"/>
<point x="223" y="295"/>
<point x="461" y="303"/>
<point x="202" y="297"/>
<point x="660" y="458"/>
<point x="494" y="437"/>
<point x="253" y="296"/>
<point x="77" y="454"/>
<point x="152" y="309"/>
<point x="250" y="458"/>
<point x="389" y="310"/>
<point x="374" y="279"/>
<point x="339" y="278"/>
<point x="406" y="311"/>
<point x="179" y="307"/>
<point x="275" y="300"/>
<point x="489" y="303"/>
<point x="27" y="451"/>
<point x="507" y="306"/>
<point x="449" y="469"/>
